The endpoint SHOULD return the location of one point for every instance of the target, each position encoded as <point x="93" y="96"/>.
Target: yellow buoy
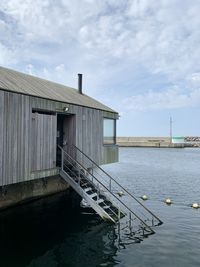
<point x="195" y="205"/>
<point x="168" y="201"/>
<point x="120" y="193"/>
<point x="144" y="197"/>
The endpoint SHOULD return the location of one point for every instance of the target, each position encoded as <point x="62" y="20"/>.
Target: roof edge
<point x="54" y="100"/>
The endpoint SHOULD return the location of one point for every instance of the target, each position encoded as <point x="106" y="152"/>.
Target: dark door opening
<point x="66" y="134"/>
<point x="60" y="119"/>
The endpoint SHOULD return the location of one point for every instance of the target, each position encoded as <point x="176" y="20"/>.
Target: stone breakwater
<point x="146" y="142"/>
<point x="192" y="141"/>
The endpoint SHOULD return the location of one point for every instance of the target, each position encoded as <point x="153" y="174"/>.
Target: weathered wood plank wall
<point x="43" y="132"/>
<point x="20" y="160"/>
<point x="14" y="145"/>
<point x="1" y="134"/>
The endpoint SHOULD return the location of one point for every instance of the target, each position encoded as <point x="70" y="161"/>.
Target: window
<point x="109" y="131"/>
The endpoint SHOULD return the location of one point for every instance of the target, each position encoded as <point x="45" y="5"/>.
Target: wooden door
<point x="43" y="141"/>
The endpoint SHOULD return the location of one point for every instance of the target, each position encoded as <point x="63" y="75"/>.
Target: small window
<point x="109" y="131"/>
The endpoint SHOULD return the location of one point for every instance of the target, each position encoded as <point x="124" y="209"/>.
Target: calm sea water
<point x="53" y="232"/>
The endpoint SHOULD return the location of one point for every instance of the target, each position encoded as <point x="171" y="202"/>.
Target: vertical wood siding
<point x="14" y="146"/>
<point x="1" y="135"/>
<point x="43" y="145"/>
<point x="28" y="145"/>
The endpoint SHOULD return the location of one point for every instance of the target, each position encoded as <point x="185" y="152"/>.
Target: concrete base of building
<point x="15" y="194"/>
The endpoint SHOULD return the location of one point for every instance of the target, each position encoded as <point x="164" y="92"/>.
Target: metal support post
<point x="110" y="184"/>
<point x="79" y="177"/>
<point x="119" y="213"/>
<point x="62" y="159"/>
<point x="152" y="221"/>
<point x="130" y="225"/>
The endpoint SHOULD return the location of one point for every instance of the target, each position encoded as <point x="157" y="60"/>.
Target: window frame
<point x="114" y="137"/>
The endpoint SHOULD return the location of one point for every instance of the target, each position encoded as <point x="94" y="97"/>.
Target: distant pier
<point x="163" y="142"/>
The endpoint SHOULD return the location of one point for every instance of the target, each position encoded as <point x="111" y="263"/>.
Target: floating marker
<point x="168" y="201"/>
<point x="144" y="197"/>
<point x="195" y="205"/>
<point x="120" y="193"/>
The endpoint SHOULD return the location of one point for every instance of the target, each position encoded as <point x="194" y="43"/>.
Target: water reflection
<point x="53" y="232"/>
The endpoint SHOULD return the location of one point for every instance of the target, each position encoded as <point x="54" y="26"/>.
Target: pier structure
<point x="163" y="142"/>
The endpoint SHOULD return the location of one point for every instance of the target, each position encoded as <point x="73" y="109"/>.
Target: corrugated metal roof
<point x="18" y="82"/>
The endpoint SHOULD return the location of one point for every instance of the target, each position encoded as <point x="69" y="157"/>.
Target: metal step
<point x="87" y="189"/>
<point x="88" y="197"/>
<point x="93" y="195"/>
<point x="99" y="201"/>
<point x="88" y="185"/>
<point x="106" y="207"/>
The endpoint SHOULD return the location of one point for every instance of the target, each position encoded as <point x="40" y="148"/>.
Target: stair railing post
<point x="79" y="177"/>
<point x="98" y="191"/>
<point x="119" y="213"/>
<point x="110" y="184"/>
<point x="62" y="159"/>
<point x="152" y="221"/>
<point x="143" y="230"/>
<point x="91" y="173"/>
<point x="130" y="225"/>
<point x="119" y="233"/>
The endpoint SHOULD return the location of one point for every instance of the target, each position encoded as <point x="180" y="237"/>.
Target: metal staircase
<point x="103" y="193"/>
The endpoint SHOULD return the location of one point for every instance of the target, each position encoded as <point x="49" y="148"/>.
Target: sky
<point x="139" y="57"/>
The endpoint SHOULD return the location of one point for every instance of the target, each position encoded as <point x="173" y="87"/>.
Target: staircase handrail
<point x="124" y="189"/>
<point x="63" y="164"/>
<point x="146" y="225"/>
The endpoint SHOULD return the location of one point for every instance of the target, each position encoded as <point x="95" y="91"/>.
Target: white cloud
<point x="170" y="99"/>
<point x="147" y="31"/>
<point x="6" y="55"/>
<point x="195" y="78"/>
<point x="30" y="69"/>
<point x="105" y="40"/>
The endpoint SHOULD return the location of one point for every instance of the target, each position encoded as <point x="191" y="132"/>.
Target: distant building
<point x="178" y="140"/>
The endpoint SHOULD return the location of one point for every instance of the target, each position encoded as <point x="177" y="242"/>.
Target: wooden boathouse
<point x="53" y="137"/>
<point x="36" y="116"/>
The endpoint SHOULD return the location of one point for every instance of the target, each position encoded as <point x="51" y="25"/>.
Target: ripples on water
<point x="54" y="233"/>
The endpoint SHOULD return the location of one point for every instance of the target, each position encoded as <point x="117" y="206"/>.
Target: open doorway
<point x="66" y="134"/>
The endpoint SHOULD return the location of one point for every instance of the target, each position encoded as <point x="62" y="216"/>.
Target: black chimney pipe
<point x="80" y="83"/>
